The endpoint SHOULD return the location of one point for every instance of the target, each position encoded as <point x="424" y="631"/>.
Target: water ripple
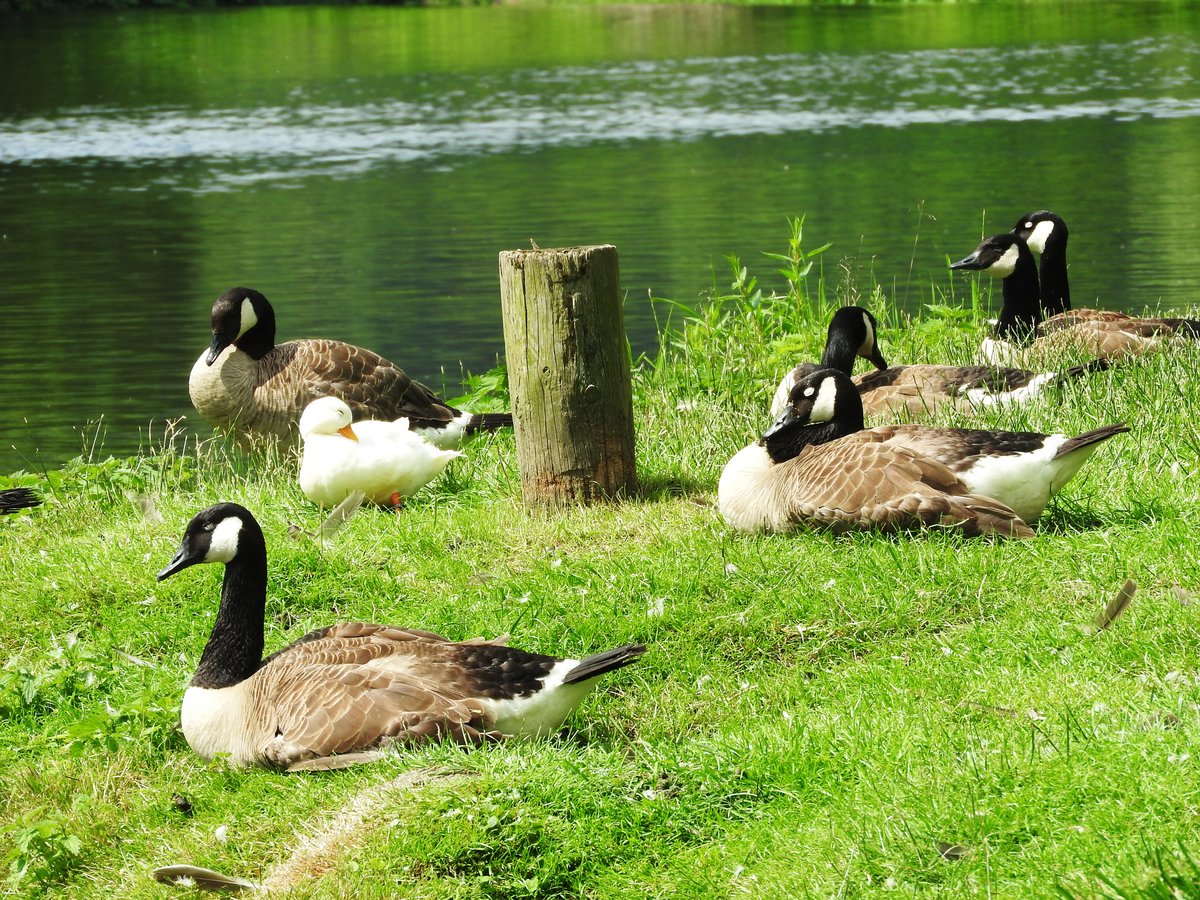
<point x="460" y="116"/>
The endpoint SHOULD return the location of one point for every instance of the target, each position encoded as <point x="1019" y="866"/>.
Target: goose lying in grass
<point x="822" y="432"/>
<point x="354" y="687"/>
<point x="1021" y="329"/>
<point x="918" y="389"/>
<point x="802" y="475"/>
<point x="247" y="382"/>
<point x="14" y="499"/>
<point x="1046" y="234"/>
<point x="384" y="460"/>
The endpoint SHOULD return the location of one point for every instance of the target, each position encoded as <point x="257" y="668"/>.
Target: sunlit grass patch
<point x="816" y="714"/>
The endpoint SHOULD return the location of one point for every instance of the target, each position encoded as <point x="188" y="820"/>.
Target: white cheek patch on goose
<point x="224" y="544"/>
<point x="823" y="406"/>
<point x="247" y="317"/>
<point x="868" y="343"/>
<point x="1006" y="264"/>
<point x="1038" y="237"/>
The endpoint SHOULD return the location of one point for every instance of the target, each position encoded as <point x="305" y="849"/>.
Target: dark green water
<point x="364" y="166"/>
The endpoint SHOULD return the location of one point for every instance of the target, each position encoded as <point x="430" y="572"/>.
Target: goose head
<point x="216" y="535"/>
<point x="327" y="416"/>
<point x="228" y="533"/>
<point x="1007" y="256"/>
<point x="853" y="332"/>
<point x="822" y="407"/>
<point x="1042" y="230"/>
<point x="243" y="317"/>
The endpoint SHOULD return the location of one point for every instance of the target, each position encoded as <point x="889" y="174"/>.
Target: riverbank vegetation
<point x="816" y="715"/>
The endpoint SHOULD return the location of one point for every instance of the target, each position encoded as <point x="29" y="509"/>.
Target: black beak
<point x="214" y="349"/>
<point x="182" y="560"/>
<point x="785" y="419"/>
<point x="969" y="262"/>
<point x="877" y="359"/>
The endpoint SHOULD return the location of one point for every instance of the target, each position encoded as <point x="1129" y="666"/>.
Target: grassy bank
<point x="816" y="715"/>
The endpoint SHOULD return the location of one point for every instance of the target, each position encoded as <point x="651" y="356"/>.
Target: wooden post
<point x="568" y="372"/>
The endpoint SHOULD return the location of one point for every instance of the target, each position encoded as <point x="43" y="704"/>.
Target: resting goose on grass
<point x="802" y="473"/>
<point x="247" y="382"/>
<point x="1021" y="329"/>
<point x="353" y="687"/>
<point x="1046" y="234"/>
<point x="919" y="389"/>
<point x="384" y="460"/>
<point x="1021" y="469"/>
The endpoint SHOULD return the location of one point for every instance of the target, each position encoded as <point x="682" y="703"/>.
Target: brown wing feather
<point x="295" y="373"/>
<point x="913" y="390"/>
<point x="1110" y="336"/>
<point x="856" y="483"/>
<point x="356" y="685"/>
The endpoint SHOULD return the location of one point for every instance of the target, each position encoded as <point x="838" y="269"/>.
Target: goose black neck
<point x="1056" y="290"/>
<point x="235" y="647"/>
<point x="789" y="442"/>
<point x="839" y="353"/>
<point x="1021" y="313"/>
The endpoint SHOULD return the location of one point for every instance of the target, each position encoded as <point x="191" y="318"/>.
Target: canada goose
<point x="354" y="686"/>
<point x="384" y="460"/>
<point x="802" y="472"/>
<point x="14" y="499"/>
<point x="249" y="383"/>
<point x="1046" y="233"/>
<point x="1021" y="469"/>
<point x="1021" y="328"/>
<point x="918" y="389"/>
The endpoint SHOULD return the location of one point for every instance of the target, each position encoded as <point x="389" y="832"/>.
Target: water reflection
<point x="448" y="116"/>
<point x="363" y="166"/>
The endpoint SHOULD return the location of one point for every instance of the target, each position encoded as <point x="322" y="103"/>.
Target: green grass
<point x="919" y="714"/>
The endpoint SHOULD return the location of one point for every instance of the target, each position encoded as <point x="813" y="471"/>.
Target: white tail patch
<point x="543" y="712"/>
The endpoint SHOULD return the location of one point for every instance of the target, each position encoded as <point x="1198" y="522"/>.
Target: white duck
<point x="384" y="460"/>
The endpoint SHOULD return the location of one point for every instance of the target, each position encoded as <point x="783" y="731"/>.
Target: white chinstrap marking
<point x="223" y="546"/>
<point x="247" y="317"/>
<point x="1038" y="237"/>
<point x="868" y="343"/>
<point x="826" y="402"/>
<point x="1006" y="264"/>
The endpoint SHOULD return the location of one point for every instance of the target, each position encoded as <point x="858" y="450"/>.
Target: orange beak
<point x="347" y="431"/>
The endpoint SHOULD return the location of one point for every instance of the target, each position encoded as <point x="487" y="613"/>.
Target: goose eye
<point x="809" y="391"/>
<point x="209" y="526"/>
<point x="1028" y="224"/>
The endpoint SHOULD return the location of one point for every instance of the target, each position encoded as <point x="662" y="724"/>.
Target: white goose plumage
<point x="384" y="460"/>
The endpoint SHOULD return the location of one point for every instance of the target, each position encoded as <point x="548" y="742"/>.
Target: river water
<point x="363" y="167"/>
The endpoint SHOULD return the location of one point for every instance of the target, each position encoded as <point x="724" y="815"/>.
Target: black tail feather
<point x="1088" y="438"/>
<point x="12" y="499"/>
<point x="1096" y="365"/>
<point x="600" y="663"/>
<point x="489" y="422"/>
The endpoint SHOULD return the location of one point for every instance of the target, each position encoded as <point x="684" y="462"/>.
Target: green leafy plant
<point x="43" y="851"/>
